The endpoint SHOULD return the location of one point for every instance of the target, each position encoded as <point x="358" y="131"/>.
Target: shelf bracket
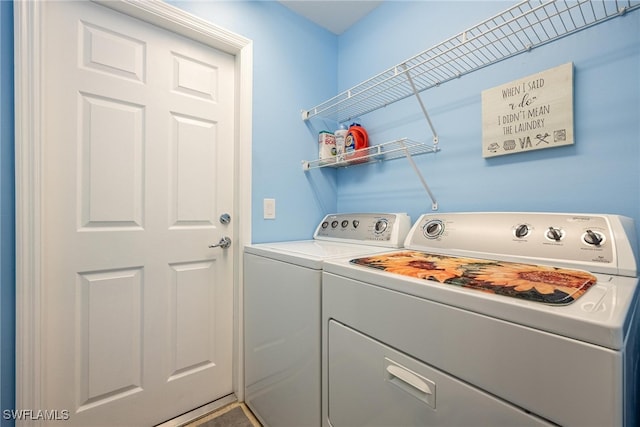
<point x="424" y="109"/>
<point x="434" y="202"/>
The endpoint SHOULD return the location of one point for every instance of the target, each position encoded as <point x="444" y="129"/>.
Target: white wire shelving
<point x="403" y="147"/>
<point x="527" y="25"/>
<point x="381" y="152"/>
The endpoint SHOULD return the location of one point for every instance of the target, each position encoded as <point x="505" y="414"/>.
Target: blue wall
<point x="7" y="223"/>
<point x="600" y="173"/>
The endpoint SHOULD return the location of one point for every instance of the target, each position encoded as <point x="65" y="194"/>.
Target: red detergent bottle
<point x="357" y="139"/>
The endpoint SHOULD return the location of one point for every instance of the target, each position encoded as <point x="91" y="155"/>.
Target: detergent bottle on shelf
<point x="356" y="139"/>
<point x="340" y="135"/>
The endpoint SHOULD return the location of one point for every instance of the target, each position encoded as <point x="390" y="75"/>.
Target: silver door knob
<point x="224" y="243"/>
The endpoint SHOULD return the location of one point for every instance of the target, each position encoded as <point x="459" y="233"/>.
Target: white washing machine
<point x="497" y="319"/>
<point x="282" y="297"/>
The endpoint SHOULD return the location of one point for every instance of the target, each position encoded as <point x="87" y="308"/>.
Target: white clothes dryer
<point x="282" y="312"/>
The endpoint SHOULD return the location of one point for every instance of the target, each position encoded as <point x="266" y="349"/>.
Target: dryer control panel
<point x="599" y="243"/>
<point x="380" y="229"/>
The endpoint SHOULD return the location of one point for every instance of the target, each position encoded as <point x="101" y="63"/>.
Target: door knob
<point x="224" y="243"/>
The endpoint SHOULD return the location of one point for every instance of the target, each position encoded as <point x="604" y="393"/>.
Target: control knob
<point x="593" y="238"/>
<point x="554" y="234"/>
<point x="433" y="229"/>
<point x="380" y="226"/>
<point x="522" y="231"/>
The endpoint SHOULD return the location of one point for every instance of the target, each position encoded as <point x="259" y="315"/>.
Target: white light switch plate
<point x="269" y="208"/>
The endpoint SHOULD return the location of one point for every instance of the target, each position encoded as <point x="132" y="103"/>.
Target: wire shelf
<point x="524" y="26"/>
<point x="402" y="147"/>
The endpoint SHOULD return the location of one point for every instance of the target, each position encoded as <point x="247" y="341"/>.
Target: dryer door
<point x="371" y="384"/>
<point x="282" y="342"/>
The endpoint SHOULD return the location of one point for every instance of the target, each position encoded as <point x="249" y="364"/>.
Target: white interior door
<point x="138" y="159"/>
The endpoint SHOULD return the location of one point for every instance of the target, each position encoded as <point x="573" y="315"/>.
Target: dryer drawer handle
<point x="409" y="378"/>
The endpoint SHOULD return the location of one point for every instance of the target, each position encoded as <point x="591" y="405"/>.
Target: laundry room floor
<point x="233" y="415"/>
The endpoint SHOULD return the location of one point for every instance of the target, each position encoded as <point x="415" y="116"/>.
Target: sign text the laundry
<point x="528" y="114"/>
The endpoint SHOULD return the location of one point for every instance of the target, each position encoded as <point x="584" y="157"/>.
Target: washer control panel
<point x="595" y="242"/>
<point x="381" y="229"/>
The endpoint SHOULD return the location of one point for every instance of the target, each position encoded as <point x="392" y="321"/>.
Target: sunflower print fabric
<point x="539" y="283"/>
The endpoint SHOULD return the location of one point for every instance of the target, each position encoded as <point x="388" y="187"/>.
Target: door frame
<point x="29" y="123"/>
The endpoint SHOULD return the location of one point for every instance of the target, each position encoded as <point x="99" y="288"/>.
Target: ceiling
<point x="334" y="15"/>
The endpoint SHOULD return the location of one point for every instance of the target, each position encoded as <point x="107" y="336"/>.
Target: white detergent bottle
<point x="340" y="135"/>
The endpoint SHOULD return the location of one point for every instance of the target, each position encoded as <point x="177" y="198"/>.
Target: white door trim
<point x="28" y="151"/>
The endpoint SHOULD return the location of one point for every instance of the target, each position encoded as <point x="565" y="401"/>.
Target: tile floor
<point x="223" y="410"/>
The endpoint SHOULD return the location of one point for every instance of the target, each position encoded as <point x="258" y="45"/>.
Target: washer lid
<point x="531" y="282"/>
<point x="601" y="316"/>
<point x="310" y="253"/>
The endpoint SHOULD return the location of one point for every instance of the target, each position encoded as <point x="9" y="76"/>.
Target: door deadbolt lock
<point x="225" y="218"/>
<point x="224" y="243"/>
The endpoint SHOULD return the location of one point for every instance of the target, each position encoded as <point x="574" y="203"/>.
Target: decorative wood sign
<point x="531" y="113"/>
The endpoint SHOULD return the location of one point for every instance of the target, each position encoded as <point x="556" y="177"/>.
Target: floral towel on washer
<point x="545" y="284"/>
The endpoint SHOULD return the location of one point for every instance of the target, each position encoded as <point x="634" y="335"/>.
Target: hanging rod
<point x="527" y="25"/>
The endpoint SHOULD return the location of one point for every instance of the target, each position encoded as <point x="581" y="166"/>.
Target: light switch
<point x="269" y="208"/>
